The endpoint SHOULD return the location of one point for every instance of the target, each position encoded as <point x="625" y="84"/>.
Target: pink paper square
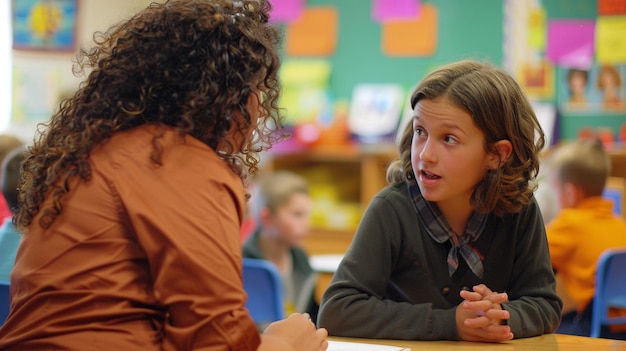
<point x="286" y="11"/>
<point x="571" y="42"/>
<point x="390" y="10"/>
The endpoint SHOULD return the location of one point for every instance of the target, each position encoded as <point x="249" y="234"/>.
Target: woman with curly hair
<point x="455" y="247"/>
<point x="133" y="195"/>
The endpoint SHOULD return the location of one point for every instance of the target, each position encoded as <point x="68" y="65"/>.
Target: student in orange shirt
<point x="133" y="196"/>
<point x="584" y="227"/>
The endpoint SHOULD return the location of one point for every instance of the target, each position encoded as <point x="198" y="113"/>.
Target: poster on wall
<point x="44" y="24"/>
<point x="375" y="111"/>
<point x="37" y="89"/>
<point x="599" y="89"/>
<point x="537" y="79"/>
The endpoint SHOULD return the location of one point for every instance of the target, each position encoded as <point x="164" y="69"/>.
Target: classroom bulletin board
<point x="571" y="122"/>
<point x="465" y="29"/>
<point x="364" y="49"/>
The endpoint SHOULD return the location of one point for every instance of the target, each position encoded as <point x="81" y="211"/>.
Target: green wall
<point x="466" y="29"/>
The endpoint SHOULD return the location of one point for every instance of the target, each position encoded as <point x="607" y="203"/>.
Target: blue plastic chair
<point x="610" y="289"/>
<point x="263" y="284"/>
<point x="5" y="301"/>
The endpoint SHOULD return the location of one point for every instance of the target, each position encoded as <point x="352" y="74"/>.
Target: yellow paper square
<point x="537" y="29"/>
<point x="611" y="39"/>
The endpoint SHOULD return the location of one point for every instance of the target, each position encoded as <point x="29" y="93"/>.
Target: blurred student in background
<point x="282" y="208"/>
<point x="9" y="237"/>
<point x="132" y="196"/>
<point x="8" y="142"/>
<point x="584" y="227"/>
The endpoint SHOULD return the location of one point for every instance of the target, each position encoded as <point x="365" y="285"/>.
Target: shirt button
<point x="445" y="290"/>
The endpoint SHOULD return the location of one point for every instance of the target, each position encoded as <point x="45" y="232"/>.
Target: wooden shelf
<point x="356" y="172"/>
<point x="328" y="241"/>
<point x="618" y="163"/>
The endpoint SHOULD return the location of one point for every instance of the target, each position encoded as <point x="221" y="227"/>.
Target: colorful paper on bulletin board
<point x="315" y="34"/>
<point x="611" y="39"/>
<point x="305" y="93"/>
<point x="611" y="7"/>
<point x="286" y="11"/>
<point x="537" y="79"/>
<point x="571" y="42"/>
<point x="37" y="90"/>
<point x="44" y="25"/>
<point x="375" y="111"/>
<point x="385" y="10"/>
<point x="399" y="37"/>
<point x="593" y="91"/>
<point x="537" y="29"/>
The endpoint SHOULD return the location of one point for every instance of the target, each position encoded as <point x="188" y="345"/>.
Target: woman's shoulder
<point x="181" y="158"/>
<point x="139" y="144"/>
<point x="143" y="138"/>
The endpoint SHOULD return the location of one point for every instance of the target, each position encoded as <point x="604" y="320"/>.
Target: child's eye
<point x="449" y="139"/>
<point x="419" y="131"/>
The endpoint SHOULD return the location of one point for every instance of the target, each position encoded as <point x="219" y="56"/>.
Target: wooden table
<point x="548" y="342"/>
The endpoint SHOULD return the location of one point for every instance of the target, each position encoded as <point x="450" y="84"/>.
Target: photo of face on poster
<point x="598" y="89"/>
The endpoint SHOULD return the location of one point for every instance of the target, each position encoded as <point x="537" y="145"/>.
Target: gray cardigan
<point x="393" y="283"/>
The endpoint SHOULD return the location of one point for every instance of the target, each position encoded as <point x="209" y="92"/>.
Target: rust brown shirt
<point x="143" y="256"/>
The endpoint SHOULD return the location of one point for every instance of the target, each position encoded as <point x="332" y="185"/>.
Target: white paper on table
<point x="325" y="263"/>
<point x="357" y="346"/>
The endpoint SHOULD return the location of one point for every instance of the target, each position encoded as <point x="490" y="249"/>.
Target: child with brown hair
<point x="455" y="247"/>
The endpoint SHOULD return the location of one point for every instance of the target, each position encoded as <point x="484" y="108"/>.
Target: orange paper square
<point x="315" y="34"/>
<point x="417" y="37"/>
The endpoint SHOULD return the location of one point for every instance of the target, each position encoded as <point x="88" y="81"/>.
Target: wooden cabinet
<point x="618" y="163"/>
<point x="343" y="180"/>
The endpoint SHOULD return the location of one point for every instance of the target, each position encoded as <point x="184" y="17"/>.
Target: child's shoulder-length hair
<point x="501" y="111"/>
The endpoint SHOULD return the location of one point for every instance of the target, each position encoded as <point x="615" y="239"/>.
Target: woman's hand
<point x="297" y="333"/>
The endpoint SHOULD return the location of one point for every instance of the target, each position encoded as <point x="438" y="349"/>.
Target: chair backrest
<point x="615" y="190"/>
<point x="610" y="289"/>
<point x="5" y="301"/>
<point x="263" y="284"/>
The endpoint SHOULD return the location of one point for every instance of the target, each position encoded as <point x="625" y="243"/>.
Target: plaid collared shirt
<point x="438" y="228"/>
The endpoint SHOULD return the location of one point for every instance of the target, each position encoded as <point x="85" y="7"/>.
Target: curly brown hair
<point x="501" y="110"/>
<point x="190" y="65"/>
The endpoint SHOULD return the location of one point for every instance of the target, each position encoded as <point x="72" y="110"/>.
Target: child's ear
<point x="504" y="148"/>
<point x="265" y="217"/>
<point x="570" y="195"/>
